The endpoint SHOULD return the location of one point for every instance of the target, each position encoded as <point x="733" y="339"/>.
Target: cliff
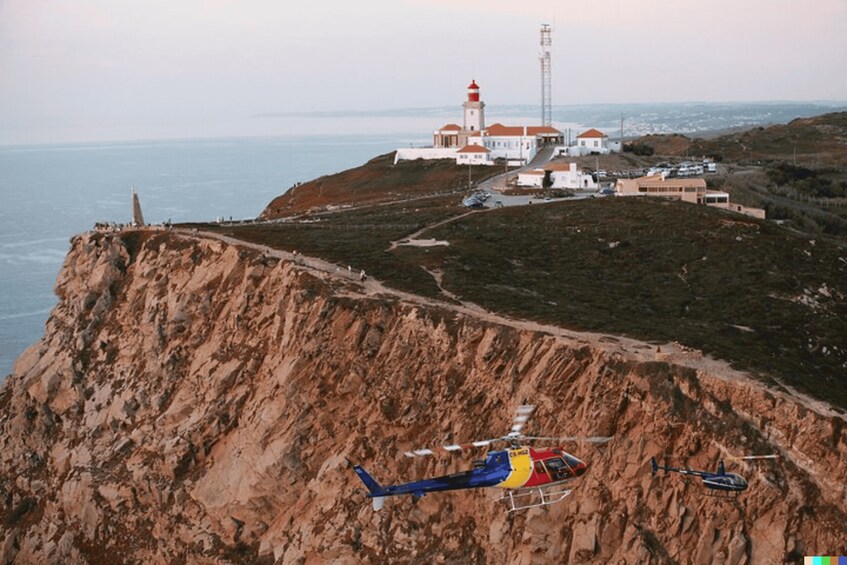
<point x="197" y="401"/>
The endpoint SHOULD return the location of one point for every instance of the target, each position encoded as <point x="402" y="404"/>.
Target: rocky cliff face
<point x="197" y="401"/>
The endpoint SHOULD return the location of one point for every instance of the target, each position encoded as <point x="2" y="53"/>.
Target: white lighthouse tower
<point x="474" y="110"/>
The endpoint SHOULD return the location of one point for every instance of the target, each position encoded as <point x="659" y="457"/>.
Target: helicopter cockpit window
<point x="555" y="464"/>
<point x="736" y="480"/>
<point x="571" y="460"/>
<point x="539" y="467"/>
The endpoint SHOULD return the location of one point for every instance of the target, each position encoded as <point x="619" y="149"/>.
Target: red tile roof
<point x="473" y="149"/>
<point x="501" y="130"/>
<point x="450" y="127"/>
<point x="592" y="133"/>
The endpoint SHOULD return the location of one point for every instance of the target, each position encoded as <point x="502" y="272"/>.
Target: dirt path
<point x="424" y="229"/>
<point x="624" y="347"/>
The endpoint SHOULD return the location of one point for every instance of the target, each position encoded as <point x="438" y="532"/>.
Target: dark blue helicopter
<point x="720" y="481"/>
<point x="715" y="481"/>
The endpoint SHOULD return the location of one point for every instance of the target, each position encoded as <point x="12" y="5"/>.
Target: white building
<point x="566" y="175"/>
<point x="519" y="143"/>
<point x="516" y="143"/>
<point x="447" y="136"/>
<point x="557" y="175"/>
<point x="473" y="109"/>
<point x="590" y="142"/>
<point x="473" y="155"/>
<point x="473" y="122"/>
<point x="531" y="179"/>
<point x="593" y="140"/>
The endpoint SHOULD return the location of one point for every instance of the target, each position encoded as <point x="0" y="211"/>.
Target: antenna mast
<point x="546" y="72"/>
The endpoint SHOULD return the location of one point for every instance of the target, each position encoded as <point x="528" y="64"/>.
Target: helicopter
<point x="719" y="481"/>
<point x="522" y="470"/>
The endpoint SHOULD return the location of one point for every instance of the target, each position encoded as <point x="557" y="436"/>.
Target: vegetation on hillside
<point x="769" y="298"/>
<point x="378" y="181"/>
<point x="797" y="172"/>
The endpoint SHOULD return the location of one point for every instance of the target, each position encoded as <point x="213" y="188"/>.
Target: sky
<point x="75" y="70"/>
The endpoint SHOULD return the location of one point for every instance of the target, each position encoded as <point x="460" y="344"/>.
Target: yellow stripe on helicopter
<point x="521" y="464"/>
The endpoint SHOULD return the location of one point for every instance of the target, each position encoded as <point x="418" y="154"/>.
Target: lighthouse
<point x="474" y="110"/>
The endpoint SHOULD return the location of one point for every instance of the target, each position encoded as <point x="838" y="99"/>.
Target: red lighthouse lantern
<point x="473" y="92"/>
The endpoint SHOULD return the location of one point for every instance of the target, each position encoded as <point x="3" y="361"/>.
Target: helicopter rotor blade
<point x="426" y="452"/>
<point x="771" y="456"/>
<point x="522" y="415"/>
<point x="575" y="439"/>
<point x="524" y="412"/>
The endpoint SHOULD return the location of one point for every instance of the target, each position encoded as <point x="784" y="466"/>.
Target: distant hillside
<point x="818" y="141"/>
<point x="797" y="171"/>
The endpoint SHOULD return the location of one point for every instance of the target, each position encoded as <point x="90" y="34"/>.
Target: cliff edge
<point x="197" y="401"/>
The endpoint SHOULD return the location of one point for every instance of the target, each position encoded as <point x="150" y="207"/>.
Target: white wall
<point x="579" y="151"/>
<point x="529" y="180"/>
<point x="510" y="147"/>
<point x="473" y="159"/>
<point x="412" y="153"/>
<point x="572" y="179"/>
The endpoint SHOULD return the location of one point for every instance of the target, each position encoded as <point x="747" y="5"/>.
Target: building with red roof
<point x="501" y="141"/>
<point x="473" y="155"/>
<point x="593" y="140"/>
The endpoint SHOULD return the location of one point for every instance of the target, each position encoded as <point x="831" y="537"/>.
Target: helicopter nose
<point x="581" y="469"/>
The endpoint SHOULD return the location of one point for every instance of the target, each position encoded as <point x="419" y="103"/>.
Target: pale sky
<point x="80" y="69"/>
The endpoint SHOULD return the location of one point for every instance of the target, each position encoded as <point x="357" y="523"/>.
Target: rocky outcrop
<point x="197" y="401"/>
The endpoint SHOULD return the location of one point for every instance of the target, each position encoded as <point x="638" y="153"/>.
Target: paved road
<point x="495" y="185"/>
<point x="501" y="182"/>
<point x="501" y="200"/>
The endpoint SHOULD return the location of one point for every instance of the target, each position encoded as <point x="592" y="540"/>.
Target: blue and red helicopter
<point x="523" y="471"/>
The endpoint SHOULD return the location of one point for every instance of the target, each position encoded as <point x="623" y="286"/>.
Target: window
<point x="555" y="464"/>
<point x="571" y="460"/>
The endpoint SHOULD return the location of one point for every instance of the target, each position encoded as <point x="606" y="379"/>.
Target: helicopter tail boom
<point x="377" y="491"/>
<point x="374" y="487"/>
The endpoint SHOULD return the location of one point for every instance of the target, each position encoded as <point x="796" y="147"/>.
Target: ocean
<point x="48" y="193"/>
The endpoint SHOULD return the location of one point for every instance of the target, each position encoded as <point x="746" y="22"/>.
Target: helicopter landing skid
<point x="517" y="498"/>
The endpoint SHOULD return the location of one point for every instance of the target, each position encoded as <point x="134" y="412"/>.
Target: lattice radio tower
<point x="546" y="72"/>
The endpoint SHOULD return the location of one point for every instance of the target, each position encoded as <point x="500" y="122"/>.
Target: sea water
<point x="48" y="193"/>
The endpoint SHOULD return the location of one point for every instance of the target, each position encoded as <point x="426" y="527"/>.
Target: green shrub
<point x="637" y="148"/>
